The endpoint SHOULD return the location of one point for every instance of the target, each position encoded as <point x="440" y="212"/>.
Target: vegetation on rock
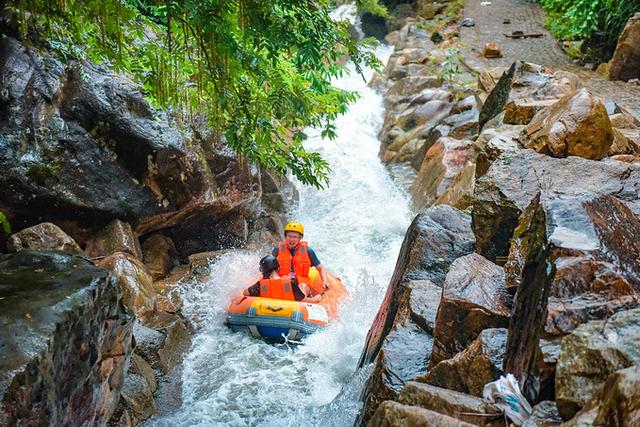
<point x="259" y="71"/>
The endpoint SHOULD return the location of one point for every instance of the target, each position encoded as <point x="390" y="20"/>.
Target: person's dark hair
<point x="268" y="264"/>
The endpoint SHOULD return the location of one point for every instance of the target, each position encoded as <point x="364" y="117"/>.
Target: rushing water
<point x="356" y="228"/>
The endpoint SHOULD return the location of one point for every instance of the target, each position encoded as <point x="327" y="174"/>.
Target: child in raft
<point x="273" y="286"/>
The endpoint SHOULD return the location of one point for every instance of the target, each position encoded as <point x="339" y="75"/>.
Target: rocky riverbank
<point x="524" y="257"/>
<point x="113" y="206"/>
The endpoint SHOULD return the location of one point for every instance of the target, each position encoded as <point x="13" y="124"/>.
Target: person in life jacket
<point x="295" y="257"/>
<point x="273" y="286"/>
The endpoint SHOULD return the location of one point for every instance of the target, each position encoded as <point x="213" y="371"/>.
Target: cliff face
<point x="80" y="146"/>
<point x="65" y="339"/>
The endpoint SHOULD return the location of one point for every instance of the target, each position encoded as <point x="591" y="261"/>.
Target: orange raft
<point x="278" y="319"/>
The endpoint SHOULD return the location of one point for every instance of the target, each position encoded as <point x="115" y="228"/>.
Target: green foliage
<point x="373" y="7"/>
<point x="579" y="19"/>
<point x="258" y="70"/>
<point x="450" y="67"/>
<point x="4" y="223"/>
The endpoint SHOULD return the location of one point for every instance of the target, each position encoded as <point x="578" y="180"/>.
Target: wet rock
<point x="278" y="193"/>
<point x="42" y="237"/>
<point x="522" y="111"/>
<point x="86" y="116"/>
<point x="159" y="255"/>
<point x="429" y="139"/>
<point x="423" y="302"/>
<point x="530" y="255"/>
<point x="515" y="177"/>
<point x="473" y="299"/>
<point x="446" y="176"/>
<point x="576" y="125"/>
<point x="136" y="401"/>
<point x="65" y="340"/>
<point x="625" y="64"/>
<point x="492" y="142"/>
<point x="164" y="345"/>
<point x="545" y="414"/>
<point x="590" y="353"/>
<point x="451" y="403"/>
<point x="412" y="85"/>
<point x="468" y="22"/>
<point x="373" y="25"/>
<point x="399" y="341"/>
<point x="463" y="125"/>
<point x="616" y="403"/>
<point x="468" y="371"/>
<point x="521" y="80"/>
<point x="134" y="282"/>
<point x="430" y="112"/>
<point x="394" y="414"/>
<point x="404" y="355"/>
<point x="117" y="236"/>
<point x="140" y="367"/>
<point x="491" y="50"/>
<point x="167" y="290"/>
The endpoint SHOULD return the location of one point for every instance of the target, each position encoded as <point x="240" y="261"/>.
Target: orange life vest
<point x="300" y="263"/>
<point x="277" y="288"/>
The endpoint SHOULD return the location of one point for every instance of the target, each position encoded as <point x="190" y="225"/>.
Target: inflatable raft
<point x="276" y="319"/>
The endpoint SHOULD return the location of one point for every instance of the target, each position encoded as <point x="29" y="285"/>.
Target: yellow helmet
<point x="294" y="226"/>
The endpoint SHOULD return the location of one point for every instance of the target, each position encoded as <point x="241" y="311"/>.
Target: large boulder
<point x="590" y="354"/>
<point x="400" y="339"/>
<point x="43" y="237"/>
<point x="576" y="125"/>
<point x="625" y="64"/>
<point x="516" y="176"/>
<point x="462" y="406"/>
<point x="134" y="282"/>
<point x="616" y="402"/>
<point x="394" y="414"/>
<point x="474" y="298"/>
<point x="446" y="176"/>
<point x="469" y="370"/>
<point x="164" y="345"/>
<point x="100" y="152"/>
<point x="65" y="340"/>
<point x="433" y="241"/>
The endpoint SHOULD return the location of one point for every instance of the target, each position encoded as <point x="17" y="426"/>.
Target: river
<point x="356" y="227"/>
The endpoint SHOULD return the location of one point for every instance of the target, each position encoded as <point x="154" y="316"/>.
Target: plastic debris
<point x="505" y="394"/>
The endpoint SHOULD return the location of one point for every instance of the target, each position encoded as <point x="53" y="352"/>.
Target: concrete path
<point x="527" y="16"/>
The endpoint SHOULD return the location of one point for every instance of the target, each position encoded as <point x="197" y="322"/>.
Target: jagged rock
<point x="463" y="125"/>
<point x="488" y="79"/>
<point x="159" y="255"/>
<point x="431" y="112"/>
<point x="399" y="341"/>
<point x="42" y="237"/>
<point x="427" y="142"/>
<point x="446" y="176"/>
<point x="278" y="193"/>
<point x="87" y="116"/>
<point x="134" y="282"/>
<point x="625" y="64"/>
<point x="625" y="141"/>
<point x="576" y="125"/>
<point x="167" y="293"/>
<point x="394" y="414"/>
<point x="624" y="120"/>
<point x="530" y="268"/>
<point x="452" y="403"/>
<point x="473" y="299"/>
<point x="468" y="371"/>
<point x="616" y="403"/>
<point x="523" y="80"/>
<point x="492" y="142"/>
<point x="522" y="111"/>
<point x="590" y="353"/>
<point x="423" y="302"/>
<point x="137" y="403"/>
<point x="515" y="177"/>
<point x="141" y="367"/>
<point x="65" y="340"/>
<point x="545" y="414"/>
<point x="117" y="236"/>
<point x="163" y="346"/>
<point x="465" y="104"/>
